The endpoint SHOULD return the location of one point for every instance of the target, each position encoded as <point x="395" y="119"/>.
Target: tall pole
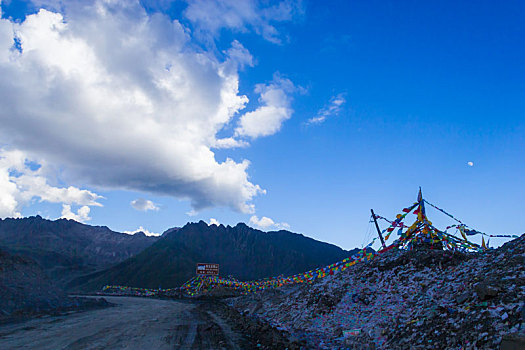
<point x="377" y="228"/>
<point x="421" y="202"/>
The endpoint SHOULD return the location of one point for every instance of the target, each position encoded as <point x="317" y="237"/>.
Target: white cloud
<point x="142" y="204"/>
<point x="9" y="193"/>
<point x="230" y="142"/>
<point x="82" y="214"/>
<point x="22" y="180"/>
<point x="239" y="55"/>
<point x="332" y="108"/>
<point x="283" y="226"/>
<point x="120" y="99"/>
<point x="192" y="212"/>
<point x="214" y="222"/>
<point x="213" y="15"/>
<point x="274" y="110"/>
<point x="265" y="223"/>
<point x="143" y="230"/>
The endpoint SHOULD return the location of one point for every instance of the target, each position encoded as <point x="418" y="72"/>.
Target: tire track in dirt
<point x="135" y="323"/>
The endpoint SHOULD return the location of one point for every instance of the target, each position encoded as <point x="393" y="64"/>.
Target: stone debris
<point x="419" y="299"/>
<point x="26" y="291"/>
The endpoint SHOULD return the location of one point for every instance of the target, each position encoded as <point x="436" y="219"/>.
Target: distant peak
<point x="242" y="225"/>
<point x="34" y="218"/>
<point x="139" y="234"/>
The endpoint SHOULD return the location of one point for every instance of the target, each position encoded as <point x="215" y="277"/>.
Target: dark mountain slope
<point x="65" y="248"/>
<point x="241" y="251"/>
<point x="23" y="285"/>
<point x="26" y="291"/>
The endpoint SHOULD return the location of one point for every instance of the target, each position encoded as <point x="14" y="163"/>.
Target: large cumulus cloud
<point x="122" y="99"/>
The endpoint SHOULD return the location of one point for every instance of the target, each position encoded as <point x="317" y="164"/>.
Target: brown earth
<point x="144" y="323"/>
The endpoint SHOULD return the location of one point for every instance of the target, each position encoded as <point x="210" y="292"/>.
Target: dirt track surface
<point x="135" y="323"/>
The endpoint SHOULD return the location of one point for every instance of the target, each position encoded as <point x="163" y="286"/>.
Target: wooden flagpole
<point x="377" y="228"/>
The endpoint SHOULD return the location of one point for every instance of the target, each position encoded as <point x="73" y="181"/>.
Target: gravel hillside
<point x="422" y="299"/>
<point x="26" y="291"/>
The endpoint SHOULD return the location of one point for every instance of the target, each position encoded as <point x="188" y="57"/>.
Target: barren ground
<point x="135" y="323"/>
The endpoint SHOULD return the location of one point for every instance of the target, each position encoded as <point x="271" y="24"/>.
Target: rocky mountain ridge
<point x="66" y="249"/>
<point x="241" y="251"/>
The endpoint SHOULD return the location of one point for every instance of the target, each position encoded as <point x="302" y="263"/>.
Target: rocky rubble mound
<point x="421" y="299"/>
<point x="26" y="291"/>
<point x="24" y="286"/>
<point x="258" y="334"/>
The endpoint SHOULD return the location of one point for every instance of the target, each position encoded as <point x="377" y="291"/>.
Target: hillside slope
<point x="26" y="291"/>
<point x="24" y="286"/>
<point x="65" y="248"/>
<point x="423" y="299"/>
<point x="241" y="251"/>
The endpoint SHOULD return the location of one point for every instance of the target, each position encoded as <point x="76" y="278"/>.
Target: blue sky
<point x="349" y="106"/>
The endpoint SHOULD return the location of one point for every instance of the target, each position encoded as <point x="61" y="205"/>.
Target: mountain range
<point x="242" y="252"/>
<point x="66" y="249"/>
<point x="80" y="257"/>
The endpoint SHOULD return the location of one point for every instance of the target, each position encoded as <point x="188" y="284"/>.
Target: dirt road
<point x="135" y="323"/>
